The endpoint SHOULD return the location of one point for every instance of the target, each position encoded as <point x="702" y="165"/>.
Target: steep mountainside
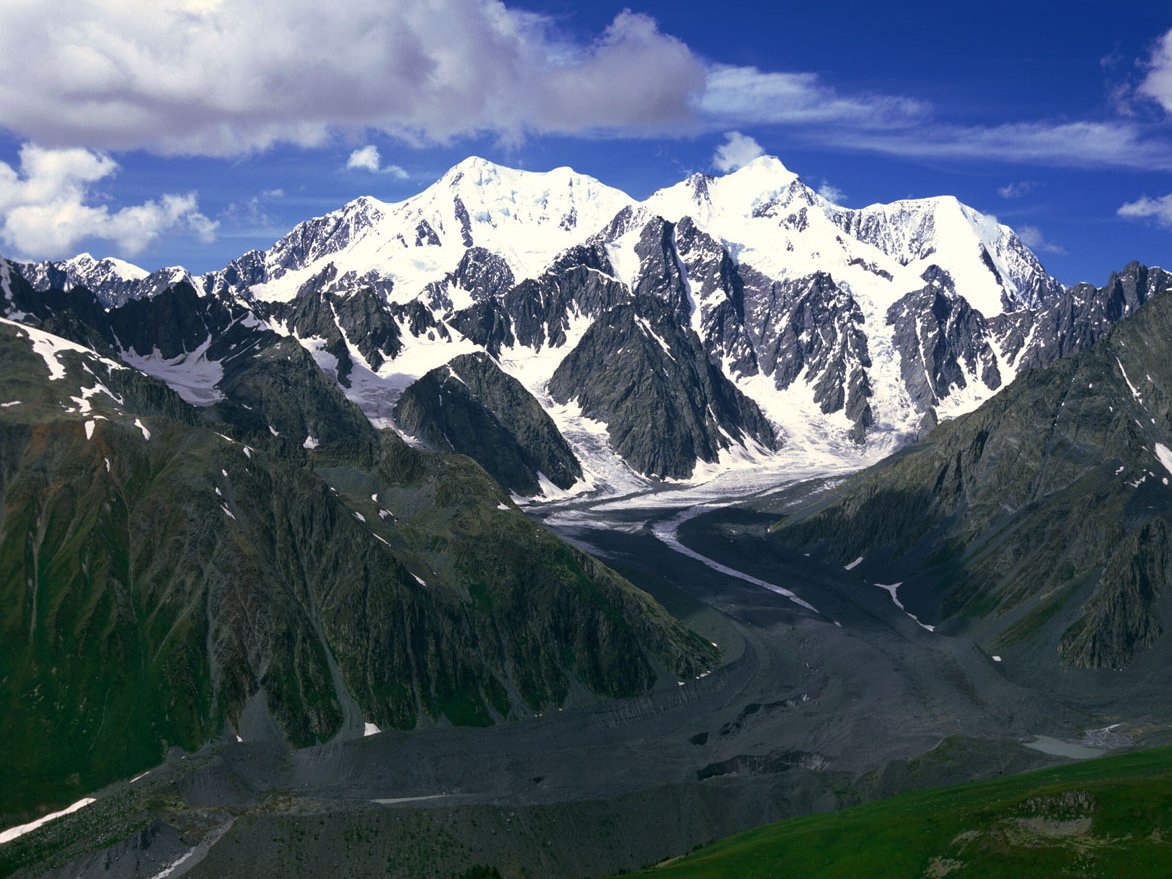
<point x="851" y="331"/>
<point x="470" y="406"/>
<point x="166" y="584"/>
<point x="664" y="403"/>
<point x="1043" y="520"/>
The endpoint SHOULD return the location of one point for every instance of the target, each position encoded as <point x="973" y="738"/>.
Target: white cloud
<point x="226" y="77"/>
<point x="1070" y="144"/>
<point x="46" y="207"/>
<point x="1157" y="85"/>
<point x="233" y="76"/>
<point x="367" y="158"/>
<point x="832" y="193"/>
<point x="736" y="152"/>
<point x="1017" y="188"/>
<point x="1158" y="209"/>
<point x="746" y="94"/>
<point x="249" y="217"/>
<point x="1033" y="238"/>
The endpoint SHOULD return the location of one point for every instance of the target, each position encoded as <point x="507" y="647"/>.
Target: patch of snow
<point x="310" y="443"/>
<point x="360" y="517"/>
<point x="20" y="830"/>
<point x="892" y="589"/>
<point x="650" y="333"/>
<point x="854" y="565"/>
<point x="146" y="434"/>
<point x="50" y="348"/>
<point x="369" y="729"/>
<point x="89" y="429"/>
<point x="503" y="506"/>
<point x="1130" y="386"/>
<point x="668" y="533"/>
<point x="1165" y="456"/>
<point x="9" y="403"/>
<point x="170" y="869"/>
<point x="191" y="375"/>
<point x="419" y="580"/>
<point x="995" y="658"/>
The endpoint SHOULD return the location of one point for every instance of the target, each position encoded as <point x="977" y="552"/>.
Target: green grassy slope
<point x="1106" y="817"/>
<point x="157" y="578"/>
<point x="1041" y="523"/>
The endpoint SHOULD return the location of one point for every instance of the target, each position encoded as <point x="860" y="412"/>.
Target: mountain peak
<point x="765" y="174"/>
<point x="763" y="165"/>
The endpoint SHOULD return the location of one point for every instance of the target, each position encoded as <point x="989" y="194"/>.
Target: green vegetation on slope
<point x="164" y="584"/>
<point x="1106" y="817"/>
<point x="1038" y="523"/>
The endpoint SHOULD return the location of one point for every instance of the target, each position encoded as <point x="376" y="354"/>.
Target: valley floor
<point x="828" y="695"/>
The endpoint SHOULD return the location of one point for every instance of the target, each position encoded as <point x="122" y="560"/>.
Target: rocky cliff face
<point x="851" y="330"/>
<point x="1039" y="521"/>
<point x="943" y="344"/>
<point x="665" y="404"/>
<point x="470" y="406"/>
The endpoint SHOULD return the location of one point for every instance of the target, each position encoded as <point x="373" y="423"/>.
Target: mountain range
<point x="240" y="506"/>
<point x="780" y="327"/>
<point x="1038" y="524"/>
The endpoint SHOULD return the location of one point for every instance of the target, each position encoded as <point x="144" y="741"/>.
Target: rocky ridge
<point x="850" y="331"/>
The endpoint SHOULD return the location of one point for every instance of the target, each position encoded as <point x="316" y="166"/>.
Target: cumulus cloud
<point x="1158" y="209"/>
<point x="222" y="77"/>
<point x="367" y="158"/>
<point x="1017" y="189"/>
<point x="1033" y="238"/>
<point x="46" y="206"/>
<point x="1157" y="85"/>
<point x="229" y="77"/>
<point x="736" y="152"/>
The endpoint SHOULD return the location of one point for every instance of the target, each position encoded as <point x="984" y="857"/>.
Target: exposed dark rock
<point x="471" y="407"/>
<point x="482" y="273"/>
<point x="1040" y="521"/>
<point x="811" y="327"/>
<point x="665" y="404"/>
<point x="942" y="342"/>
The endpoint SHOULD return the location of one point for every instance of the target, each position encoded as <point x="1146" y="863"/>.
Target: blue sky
<point x="188" y="131"/>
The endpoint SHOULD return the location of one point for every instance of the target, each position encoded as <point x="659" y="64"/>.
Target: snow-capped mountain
<point x="527" y="218"/>
<point x="114" y="281"/>
<point x="723" y="321"/>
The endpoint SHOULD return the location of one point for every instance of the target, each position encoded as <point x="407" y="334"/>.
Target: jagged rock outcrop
<point x="470" y="406"/>
<point x="812" y="328"/>
<point x="1040" y="521"/>
<point x="651" y="382"/>
<point x="943" y="343"/>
